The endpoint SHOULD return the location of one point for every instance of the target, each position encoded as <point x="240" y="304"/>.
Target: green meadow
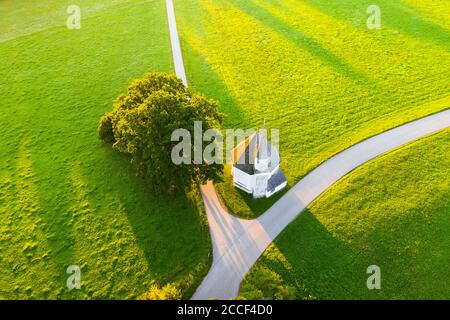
<point x="391" y="212"/>
<point x="313" y="70"/>
<point x="65" y="198"/>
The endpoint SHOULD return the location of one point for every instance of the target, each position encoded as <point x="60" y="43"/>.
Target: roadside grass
<point x="391" y="212"/>
<point x="313" y="70"/>
<point x="65" y="198"/>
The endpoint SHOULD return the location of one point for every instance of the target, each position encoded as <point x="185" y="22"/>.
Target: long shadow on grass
<point x="203" y="79"/>
<point x="393" y="15"/>
<point x="168" y="229"/>
<point x="320" y="264"/>
<point x="411" y="248"/>
<point x="300" y="39"/>
<point x="52" y="189"/>
<point x="329" y="268"/>
<point x="249" y="208"/>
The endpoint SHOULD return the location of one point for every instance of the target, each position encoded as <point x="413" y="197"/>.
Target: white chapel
<point x="256" y="166"/>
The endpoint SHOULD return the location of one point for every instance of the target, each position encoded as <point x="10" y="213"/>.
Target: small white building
<point x="256" y="166"/>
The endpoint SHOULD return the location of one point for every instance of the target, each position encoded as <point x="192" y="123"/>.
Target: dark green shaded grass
<point x="392" y="212"/>
<point x="65" y="198"/>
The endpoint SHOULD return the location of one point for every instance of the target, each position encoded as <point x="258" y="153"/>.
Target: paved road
<point x="175" y="42"/>
<point x="237" y="243"/>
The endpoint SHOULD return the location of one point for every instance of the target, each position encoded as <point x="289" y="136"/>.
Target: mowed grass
<point x="392" y="212"/>
<point x="313" y="70"/>
<point x="65" y="198"/>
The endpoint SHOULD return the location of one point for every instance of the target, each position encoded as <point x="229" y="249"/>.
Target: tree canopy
<point x="142" y="122"/>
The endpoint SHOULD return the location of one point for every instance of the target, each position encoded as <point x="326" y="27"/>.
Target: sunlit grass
<point x="65" y="198"/>
<point x="309" y="68"/>
<point x="392" y="212"/>
<point x="24" y="236"/>
<point x="313" y="70"/>
<point x="436" y="11"/>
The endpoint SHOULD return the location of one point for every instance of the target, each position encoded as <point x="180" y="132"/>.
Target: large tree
<point x="143" y="120"/>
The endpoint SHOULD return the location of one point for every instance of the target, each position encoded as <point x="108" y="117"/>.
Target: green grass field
<point x="66" y="199"/>
<point x="391" y="212"/>
<point x="315" y="71"/>
<point x="309" y="68"/>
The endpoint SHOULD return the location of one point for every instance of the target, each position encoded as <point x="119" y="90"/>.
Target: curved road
<point x="238" y="243"/>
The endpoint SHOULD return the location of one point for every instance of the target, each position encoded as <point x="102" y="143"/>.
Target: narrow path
<point x="237" y="243"/>
<point x="175" y="42"/>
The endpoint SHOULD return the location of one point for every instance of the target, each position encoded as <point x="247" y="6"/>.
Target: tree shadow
<point x="31" y="250"/>
<point x="202" y="78"/>
<point x="169" y="229"/>
<point x="240" y="203"/>
<point x="409" y="248"/>
<point x="301" y="40"/>
<point x="319" y="264"/>
<point x="53" y="190"/>
<point x="394" y="14"/>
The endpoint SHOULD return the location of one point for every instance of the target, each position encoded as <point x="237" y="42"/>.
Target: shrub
<point x="264" y="284"/>
<point x="169" y="292"/>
